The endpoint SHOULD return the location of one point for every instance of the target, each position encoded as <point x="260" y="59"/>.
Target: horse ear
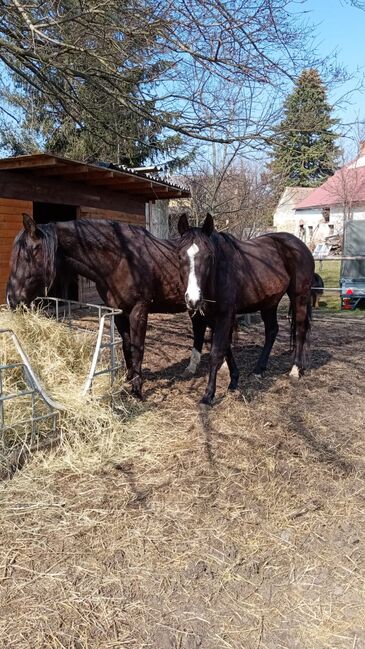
<point x="29" y="225"/>
<point x="183" y="224"/>
<point x="208" y="225"/>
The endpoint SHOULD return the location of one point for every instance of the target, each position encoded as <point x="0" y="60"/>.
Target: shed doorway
<point x="65" y="285"/>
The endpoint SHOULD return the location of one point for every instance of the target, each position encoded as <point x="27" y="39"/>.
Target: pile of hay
<point x="61" y="359"/>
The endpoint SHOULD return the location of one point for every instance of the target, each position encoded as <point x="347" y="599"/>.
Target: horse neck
<point x="77" y="241"/>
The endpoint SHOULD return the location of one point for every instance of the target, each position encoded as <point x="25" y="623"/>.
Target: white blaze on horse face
<point x="192" y="294"/>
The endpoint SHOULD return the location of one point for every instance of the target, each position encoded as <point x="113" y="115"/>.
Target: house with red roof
<point x="315" y="214"/>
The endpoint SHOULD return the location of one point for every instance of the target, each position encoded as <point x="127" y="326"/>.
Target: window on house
<point x="326" y="214"/>
<point x="310" y="231"/>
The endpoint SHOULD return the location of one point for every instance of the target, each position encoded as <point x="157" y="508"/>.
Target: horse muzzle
<point x="193" y="303"/>
<point x="13" y="301"/>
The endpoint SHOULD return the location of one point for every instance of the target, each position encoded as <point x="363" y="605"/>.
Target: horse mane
<point x="48" y="237"/>
<point x="228" y="238"/>
<point x="49" y="245"/>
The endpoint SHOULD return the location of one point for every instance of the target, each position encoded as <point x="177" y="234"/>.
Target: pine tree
<point x="86" y="120"/>
<point x="304" y="153"/>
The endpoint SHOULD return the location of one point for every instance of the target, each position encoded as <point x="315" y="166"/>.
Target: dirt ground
<point x="239" y="526"/>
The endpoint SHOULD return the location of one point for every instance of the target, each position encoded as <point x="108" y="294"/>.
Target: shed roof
<point x="346" y="186"/>
<point x="116" y="179"/>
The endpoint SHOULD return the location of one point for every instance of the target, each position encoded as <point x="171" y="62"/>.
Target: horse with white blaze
<point x="223" y="276"/>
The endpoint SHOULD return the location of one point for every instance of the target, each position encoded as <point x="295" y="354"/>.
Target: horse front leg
<point x="220" y="348"/>
<point x="138" y="325"/>
<point x="123" y="326"/>
<point x="199" y="325"/>
<point x="233" y="370"/>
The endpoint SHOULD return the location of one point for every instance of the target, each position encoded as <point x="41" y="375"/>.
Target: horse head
<point x="32" y="264"/>
<point x="197" y="261"/>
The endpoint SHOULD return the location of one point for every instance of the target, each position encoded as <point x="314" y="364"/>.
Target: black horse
<point x="225" y="276"/>
<point x="133" y="271"/>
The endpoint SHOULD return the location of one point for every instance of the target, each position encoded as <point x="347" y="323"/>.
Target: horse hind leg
<point x="138" y="327"/>
<point x="300" y="329"/>
<point x="271" y="331"/>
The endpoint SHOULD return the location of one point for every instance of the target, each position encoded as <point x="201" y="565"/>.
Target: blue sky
<point x="341" y="29"/>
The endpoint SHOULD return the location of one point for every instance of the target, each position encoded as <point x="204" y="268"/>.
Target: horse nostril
<point x="190" y="303"/>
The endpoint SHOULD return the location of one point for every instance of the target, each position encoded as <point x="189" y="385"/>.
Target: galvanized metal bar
<point x="112" y="348"/>
<point x="89" y="380"/>
<point x="16" y="395"/>
<point x="32" y="436"/>
<point x="107" y="371"/>
<point x="34" y="380"/>
<point x="337" y="257"/>
<point x="33" y="391"/>
<point x="24" y="422"/>
<point x="10" y="366"/>
<point x="2" y="415"/>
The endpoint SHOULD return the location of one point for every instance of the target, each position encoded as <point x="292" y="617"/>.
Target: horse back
<point x="258" y="272"/>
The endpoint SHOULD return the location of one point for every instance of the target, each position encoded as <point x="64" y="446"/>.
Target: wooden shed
<point x="51" y="188"/>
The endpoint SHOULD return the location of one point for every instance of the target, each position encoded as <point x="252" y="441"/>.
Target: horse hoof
<point x="136" y="392"/>
<point x="294" y="373"/>
<point x="233" y="386"/>
<point x="206" y="401"/>
<point x="188" y="373"/>
<point x="137" y="395"/>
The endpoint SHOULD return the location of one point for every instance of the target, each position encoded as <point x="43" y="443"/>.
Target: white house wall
<point x="315" y="228"/>
<point x="320" y="229"/>
<point x="284" y="219"/>
<point x="358" y="213"/>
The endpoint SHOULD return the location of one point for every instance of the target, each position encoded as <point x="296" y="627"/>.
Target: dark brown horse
<point x="133" y="271"/>
<point x="317" y="290"/>
<point x="225" y="276"/>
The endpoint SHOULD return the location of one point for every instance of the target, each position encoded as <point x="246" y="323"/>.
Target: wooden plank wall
<point x="87" y="288"/>
<point x="11" y="222"/>
<point x="125" y="217"/>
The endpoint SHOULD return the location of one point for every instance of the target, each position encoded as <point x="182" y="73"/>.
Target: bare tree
<point x="192" y="51"/>
<point x="237" y="193"/>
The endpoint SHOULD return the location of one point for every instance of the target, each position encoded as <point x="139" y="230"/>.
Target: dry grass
<point x="173" y="526"/>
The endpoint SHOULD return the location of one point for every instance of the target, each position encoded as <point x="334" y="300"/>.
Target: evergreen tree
<point x="304" y="153"/>
<point x="84" y="119"/>
<point x="110" y="133"/>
